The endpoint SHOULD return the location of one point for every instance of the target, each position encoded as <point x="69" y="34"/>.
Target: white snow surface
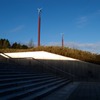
<point x="37" y="55"/>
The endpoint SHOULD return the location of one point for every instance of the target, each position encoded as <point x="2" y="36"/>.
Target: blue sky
<point x="78" y="20"/>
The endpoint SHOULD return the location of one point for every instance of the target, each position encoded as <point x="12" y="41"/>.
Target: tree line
<point x="4" y="44"/>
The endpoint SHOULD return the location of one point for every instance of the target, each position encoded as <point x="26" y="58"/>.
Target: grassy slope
<point x="74" y="53"/>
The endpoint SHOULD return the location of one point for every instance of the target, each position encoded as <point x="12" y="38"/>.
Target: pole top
<point x="39" y="10"/>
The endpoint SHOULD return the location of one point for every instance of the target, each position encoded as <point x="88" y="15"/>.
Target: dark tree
<point x="24" y="47"/>
<point x="16" y="45"/>
<point x="4" y="43"/>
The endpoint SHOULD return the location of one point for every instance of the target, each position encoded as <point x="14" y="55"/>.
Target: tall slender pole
<point x="62" y="40"/>
<point x="39" y="24"/>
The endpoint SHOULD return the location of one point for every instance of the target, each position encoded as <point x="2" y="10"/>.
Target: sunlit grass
<point x="69" y="52"/>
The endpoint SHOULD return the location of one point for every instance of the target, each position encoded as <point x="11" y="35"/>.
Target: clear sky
<point x="78" y="20"/>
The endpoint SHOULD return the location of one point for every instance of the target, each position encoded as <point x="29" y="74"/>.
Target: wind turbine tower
<point x="39" y="24"/>
<point x="62" y="40"/>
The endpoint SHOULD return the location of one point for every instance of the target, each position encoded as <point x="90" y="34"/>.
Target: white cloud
<point x="98" y="12"/>
<point x="18" y="28"/>
<point x="82" y="21"/>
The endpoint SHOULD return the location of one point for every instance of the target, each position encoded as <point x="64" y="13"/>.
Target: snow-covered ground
<point x="37" y="55"/>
